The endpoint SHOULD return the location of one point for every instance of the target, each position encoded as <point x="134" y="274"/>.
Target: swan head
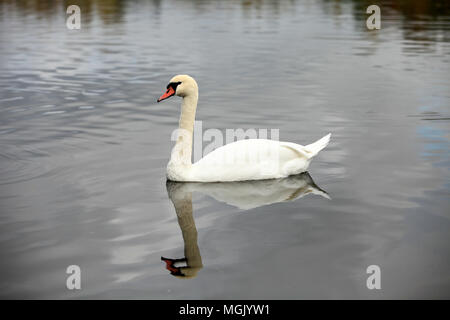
<point x="181" y="85"/>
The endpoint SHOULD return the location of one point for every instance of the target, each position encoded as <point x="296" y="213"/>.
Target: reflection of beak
<point x="170" y="265"/>
<point x="170" y="92"/>
<point x="175" y="271"/>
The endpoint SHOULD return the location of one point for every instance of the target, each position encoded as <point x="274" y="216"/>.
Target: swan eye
<point x="173" y="85"/>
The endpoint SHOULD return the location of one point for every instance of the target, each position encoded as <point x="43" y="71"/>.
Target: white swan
<point x="250" y="159"/>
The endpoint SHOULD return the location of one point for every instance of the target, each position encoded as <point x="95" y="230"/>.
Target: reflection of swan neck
<point x="182" y="202"/>
<point x="189" y="231"/>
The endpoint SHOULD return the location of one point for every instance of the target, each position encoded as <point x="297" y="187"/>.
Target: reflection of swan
<point x="250" y="159"/>
<point x="245" y="195"/>
<point x="252" y="194"/>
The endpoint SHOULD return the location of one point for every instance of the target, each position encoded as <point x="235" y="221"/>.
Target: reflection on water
<point x="244" y="195"/>
<point x="84" y="148"/>
<point x="416" y="13"/>
<point x="182" y="201"/>
<point x="253" y="194"/>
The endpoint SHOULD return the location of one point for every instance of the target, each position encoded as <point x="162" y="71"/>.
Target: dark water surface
<point x="83" y="149"/>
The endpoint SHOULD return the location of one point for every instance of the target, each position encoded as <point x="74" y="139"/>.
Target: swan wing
<point x="249" y="151"/>
<point x="299" y="149"/>
<point x="251" y="159"/>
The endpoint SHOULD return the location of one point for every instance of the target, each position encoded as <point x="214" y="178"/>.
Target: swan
<point x="249" y="159"/>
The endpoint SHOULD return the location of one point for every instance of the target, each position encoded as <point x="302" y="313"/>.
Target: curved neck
<point x="182" y="151"/>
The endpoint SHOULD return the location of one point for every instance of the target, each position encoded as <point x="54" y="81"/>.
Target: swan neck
<point x="182" y="152"/>
<point x="188" y="108"/>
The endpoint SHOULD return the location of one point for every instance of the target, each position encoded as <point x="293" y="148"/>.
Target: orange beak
<point x="170" y="92"/>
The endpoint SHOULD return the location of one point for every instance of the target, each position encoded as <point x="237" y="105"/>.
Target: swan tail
<point x="314" y="148"/>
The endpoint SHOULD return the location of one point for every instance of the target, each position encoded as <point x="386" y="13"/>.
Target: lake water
<point x="83" y="149"/>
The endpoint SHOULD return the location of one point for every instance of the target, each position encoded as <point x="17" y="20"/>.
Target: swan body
<point x="250" y="159"/>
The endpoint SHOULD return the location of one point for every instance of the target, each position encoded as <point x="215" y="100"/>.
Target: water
<point x="84" y="147"/>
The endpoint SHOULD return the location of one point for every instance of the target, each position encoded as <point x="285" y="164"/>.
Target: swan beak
<point x="170" y="92"/>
